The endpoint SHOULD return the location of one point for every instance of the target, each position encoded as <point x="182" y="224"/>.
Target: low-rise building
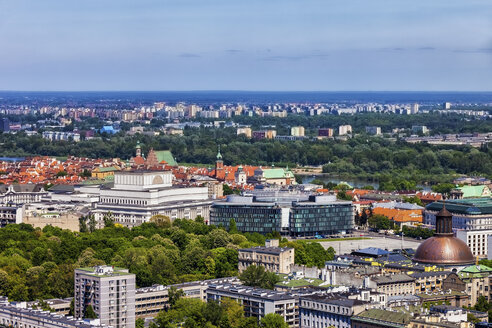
<point x="259" y="302"/>
<point x="19" y="314"/>
<point x="275" y="176"/>
<point x="10" y="215"/>
<point x="375" y="318"/>
<point x="396" y="284"/>
<point x="21" y="193"/>
<point x="56" y="305"/>
<point x="428" y="281"/>
<point x="328" y="311"/>
<point x="138" y="195"/>
<point x="450" y="313"/>
<point x="272" y="257"/>
<point x="149" y="301"/>
<point x="468" y="214"/>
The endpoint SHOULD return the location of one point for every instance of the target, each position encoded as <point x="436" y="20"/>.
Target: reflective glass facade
<point x="311" y="219"/>
<point x="249" y="218"/>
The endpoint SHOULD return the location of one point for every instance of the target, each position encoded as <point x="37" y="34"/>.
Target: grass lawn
<point x="299" y="282"/>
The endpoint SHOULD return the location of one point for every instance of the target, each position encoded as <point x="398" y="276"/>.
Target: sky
<point x="266" y="45"/>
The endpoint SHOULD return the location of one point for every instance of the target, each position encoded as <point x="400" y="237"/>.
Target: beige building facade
<point x="272" y="257"/>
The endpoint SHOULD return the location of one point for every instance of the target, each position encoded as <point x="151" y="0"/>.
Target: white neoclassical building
<point x="138" y="195"/>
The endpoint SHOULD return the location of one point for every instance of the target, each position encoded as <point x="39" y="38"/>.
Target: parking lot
<point x="347" y="246"/>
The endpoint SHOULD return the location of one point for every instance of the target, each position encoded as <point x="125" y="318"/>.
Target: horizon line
<point x="272" y="91"/>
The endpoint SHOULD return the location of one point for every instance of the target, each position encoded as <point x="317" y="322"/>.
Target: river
<point x="356" y="183"/>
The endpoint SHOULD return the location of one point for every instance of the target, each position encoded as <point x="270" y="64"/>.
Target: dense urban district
<point x="131" y="213"/>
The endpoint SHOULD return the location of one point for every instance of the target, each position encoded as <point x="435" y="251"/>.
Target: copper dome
<point x="444" y="250"/>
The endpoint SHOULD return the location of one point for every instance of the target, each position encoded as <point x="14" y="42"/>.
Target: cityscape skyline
<point x="189" y="45"/>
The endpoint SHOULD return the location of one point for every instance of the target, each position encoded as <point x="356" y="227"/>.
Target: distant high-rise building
<point x="109" y="291"/>
<point x="374" y="130"/>
<point x="264" y="134"/>
<point x="414" y="108"/>
<point x="344" y="129"/>
<point x="325" y="133"/>
<point x="4" y="125"/>
<point x="245" y="130"/>
<point x="297" y="131"/>
<point x="447" y="105"/>
<point x="419" y="129"/>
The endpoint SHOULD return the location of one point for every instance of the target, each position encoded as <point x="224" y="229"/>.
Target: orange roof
<point x="400" y="215"/>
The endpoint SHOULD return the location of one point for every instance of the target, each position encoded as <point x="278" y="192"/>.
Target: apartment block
<point x="111" y="293"/>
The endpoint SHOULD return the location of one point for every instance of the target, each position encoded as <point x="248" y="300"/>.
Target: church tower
<point x="219" y="166"/>
<point x="138" y="150"/>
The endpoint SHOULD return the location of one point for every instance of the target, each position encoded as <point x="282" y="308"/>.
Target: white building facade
<point x="138" y="195"/>
<point x="477" y="240"/>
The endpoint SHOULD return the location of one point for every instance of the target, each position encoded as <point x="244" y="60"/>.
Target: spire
<point x="219" y="156"/>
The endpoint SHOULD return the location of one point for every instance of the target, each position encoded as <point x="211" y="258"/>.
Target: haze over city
<point x="245" y="45"/>
<point x="245" y="164"/>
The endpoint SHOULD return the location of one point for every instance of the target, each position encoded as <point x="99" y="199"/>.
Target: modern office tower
<point x="325" y="133"/>
<point x="321" y="215"/>
<point x="297" y="131"/>
<point x="344" y="129"/>
<point x="109" y="291"/>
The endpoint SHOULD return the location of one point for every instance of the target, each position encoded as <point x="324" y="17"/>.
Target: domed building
<point x="444" y="248"/>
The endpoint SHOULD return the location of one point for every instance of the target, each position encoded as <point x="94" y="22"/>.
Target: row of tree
<point x="39" y="263"/>
<point x="396" y="165"/>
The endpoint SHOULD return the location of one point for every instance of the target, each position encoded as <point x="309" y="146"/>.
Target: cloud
<point x="233" y="51"/>
<point x="426" y="48"/>
<point x="475" y="51"/>
<point x="314" y="54"/>
<point x="284" y="57"/>
<point x="189" y="55"/>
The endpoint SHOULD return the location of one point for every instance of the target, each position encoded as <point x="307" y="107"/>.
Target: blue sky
<point x="246" y="45"/>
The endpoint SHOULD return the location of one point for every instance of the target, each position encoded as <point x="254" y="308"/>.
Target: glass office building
<point x="249" y="215"/>
<point x="307" y="217"/>
<point x="322" y="215"/>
